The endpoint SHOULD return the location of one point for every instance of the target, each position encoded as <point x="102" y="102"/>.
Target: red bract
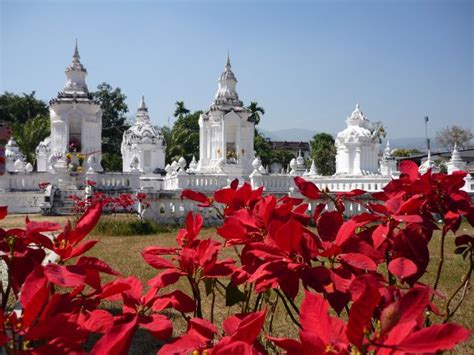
<point x="366" y="267"/>
<point x="204" y="200"/>
<point x="307" y="188"/>
<point x="320" y="333"/>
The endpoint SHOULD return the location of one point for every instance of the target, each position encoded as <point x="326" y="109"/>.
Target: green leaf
<point x="233" y="295"/>
<point x="209" y="284"/>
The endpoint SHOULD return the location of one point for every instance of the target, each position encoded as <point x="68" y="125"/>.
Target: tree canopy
<point x="28" y="118"/>
<point x="114" y="124"/>
<point x="323" y="151"/>
<point x="183" y="139"/>
<point x="454" y="135"/>
<point x="20" y="108"/>
<point x="255" y="112"/>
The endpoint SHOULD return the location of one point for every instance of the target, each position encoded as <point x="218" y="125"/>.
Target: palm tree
<point x="181" y="110"/>
<point x="255" y="112"/>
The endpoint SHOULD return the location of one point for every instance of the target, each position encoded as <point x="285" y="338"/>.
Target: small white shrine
<point x="388" y="164"/>
<point x="357" y="147"/>
<point x="143" y="147"/>
<point x="76" y="126"/>
<point x="455" y="163"/>
<point x="13" y="156"/>
<point x="226" y="135"/>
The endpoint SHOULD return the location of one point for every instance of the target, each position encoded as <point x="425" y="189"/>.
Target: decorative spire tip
<point x="76" y="51"/>
<point x="228" y="59"/>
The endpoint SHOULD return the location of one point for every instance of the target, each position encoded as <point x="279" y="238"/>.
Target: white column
<point x="357" y="169"/>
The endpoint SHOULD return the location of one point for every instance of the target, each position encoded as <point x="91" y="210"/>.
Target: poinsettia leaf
<point x="402" y="267"/>
<point x="34" y="295"/>
<point x="65" y="276"/>
<point x="3" y="211"/>
<point x="233" y="295"/>
<point x="307" y="188"/>
<point x="359" y="261"/>
<point x="435" y="338"/>
<point x="117" y="340"/>
<point x="409" y="168"/>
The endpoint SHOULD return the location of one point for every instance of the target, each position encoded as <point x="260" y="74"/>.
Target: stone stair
<point x="63" y="204"/>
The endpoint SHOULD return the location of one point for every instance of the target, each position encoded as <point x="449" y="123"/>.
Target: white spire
<point x="456" y="163"/>
<point x="76" y="76"/>
<point x="142" y="106"/>
<point x="313" y="170"/>
<point x="76" y="64"/>
<point x="142" y="112"/>
<point x="76" y="55"/>
<point x="226" y="93"/>
<point x="227" y="65"/>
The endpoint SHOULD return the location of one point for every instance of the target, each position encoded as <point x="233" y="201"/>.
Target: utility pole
<point x="426" y="133"/>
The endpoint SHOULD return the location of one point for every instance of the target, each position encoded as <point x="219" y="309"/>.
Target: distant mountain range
<point x="305" y="135"/>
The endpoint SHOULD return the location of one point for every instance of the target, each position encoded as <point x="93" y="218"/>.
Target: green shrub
<point x="114" y="225"/>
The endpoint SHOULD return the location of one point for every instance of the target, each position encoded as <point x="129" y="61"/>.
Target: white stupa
<point x="388" y="164"/>
<point x="357" y="147"/>
<point x="226" y="136"/>
<point x="76" y="120"/>
<point x="455" y="163"/>
<point x="143" y="147"/>
<point x="12" y="155"/>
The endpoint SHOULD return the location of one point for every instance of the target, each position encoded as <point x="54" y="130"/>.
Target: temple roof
<point x="75" y="90"/>
<point x="76" y="64"/>
<point x="227" y="98"/>
<point x="358" y="129"/>
<point x="142" y="131"/>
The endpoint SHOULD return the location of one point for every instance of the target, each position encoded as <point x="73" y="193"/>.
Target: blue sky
<point x="307" y="63"/>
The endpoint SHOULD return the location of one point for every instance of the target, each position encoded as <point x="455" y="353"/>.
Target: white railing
<point x="198" y="182"/>
<point x="25" y="181"/>
<point x="172" y="210"/>
<point x="152" y="183"/>
<point x="283" y="183"/>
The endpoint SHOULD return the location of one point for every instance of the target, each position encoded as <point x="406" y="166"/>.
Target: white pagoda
<point x="226" y="135"/>
<point x="76" y="123"/>
<point x="456" y="163"/>
<point x="357" y="147"/>
<point x="143" y="147"/>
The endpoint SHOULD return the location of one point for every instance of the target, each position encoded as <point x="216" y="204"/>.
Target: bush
<point x="127" y="225"/>
<point x="358" y="278"/>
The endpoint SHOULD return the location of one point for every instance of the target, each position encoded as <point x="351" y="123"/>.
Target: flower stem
<point x="288" y="310"/>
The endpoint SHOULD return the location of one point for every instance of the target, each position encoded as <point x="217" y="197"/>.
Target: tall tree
<point x="263" y="149"/>
<point x="114" y="123"/>
<point x="262" y="146"/>
<point x="180" y="110"/>
<point x="323" y="151"/>
<point x="452" y="135"/>
<point x="282" y="157"/>
<point x="20" y="108"/>
<point x="255" y="112"/>
<point x="28" y="118"/>
<point x="29" y="134"/>
<point x="183" y="140"/>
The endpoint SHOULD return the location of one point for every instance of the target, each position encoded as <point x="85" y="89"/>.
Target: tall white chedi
<point x="357" y="146"/>
<point x="226" y="135"/>
<point x="76" y="122"/>
<point x="143" y="147"/>
<point x="455" y="163"/>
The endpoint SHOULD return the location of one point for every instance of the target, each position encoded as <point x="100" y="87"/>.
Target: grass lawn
<point x="123" y="253"/>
